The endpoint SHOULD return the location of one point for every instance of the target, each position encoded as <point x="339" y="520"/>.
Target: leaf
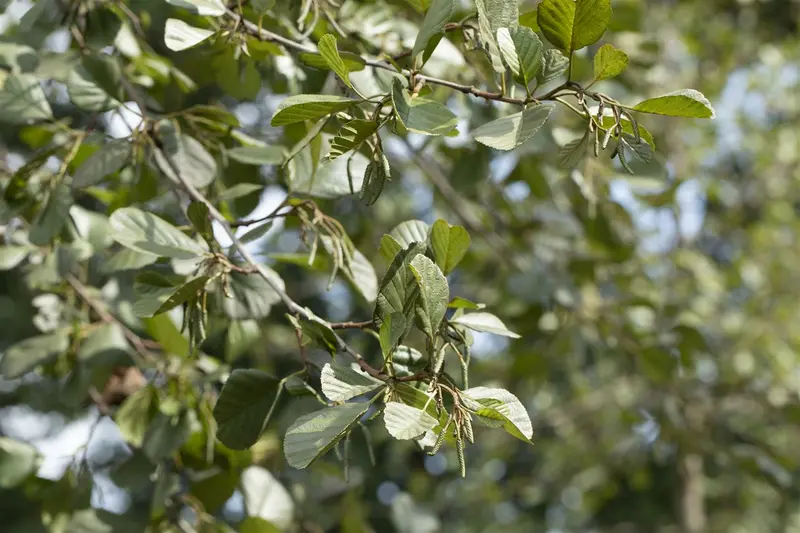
<point x="265" y="498"/>
<point x="253" y="524"/>
<point x="572" y="153"/>
<point x="389" y="248"/>
<point x="420" y="115"/>
<point x="627" y="127"/>
<point x="313" y="434"/>
<point x="147" y="233"/>
<point x="352" y="62"/>
<point x="341" y="383"/>
<point x="398" y="289"/>
<point x="262" y="6"/>
<point x="213" y="8"/>
<point x="462" y="303"/>
<point x="450" y="244"/>
<point x="252" y="297"/>
<point x="331" y="179"/>
<point x="198" y="215"/>
<point x="529" y="51"/>
<point x="243" y="407"/>
<point x="135" y="415"/>
<point x="437" y="16"/>
<point x="87" y="94"/>
<point x="530" y="20"/>
<point x="486" y="322"/>
<point x="166" y="433"/>
<point x="405" y="422"/>
<point x="330" y="53"/>
<point x="573" y="24"/>
<point x="308" y="107"/>
<point x="409" y="232"/>
<point x="186" y="155"/>
<point x="350" y="137"/>
<point x="609" y="62"/>
<point x="683" y="103"/>
<point x="375" y="176"/>
<point x="127" y="259"/>
<point x="493" y="15"/>
<point x="107" y="160"/>
<point x="516" y="420"/>
<point x="554" y="64"/>
<point x="238" y="191"/>
<point x="390" y="333"/>
<point x="179" y="36"/>
<point x="511" y="131"/>
<point x="257" y="155"/>
<point x="22" y="100"/>
<point x="11" y="256"/>
<point x="18" y="461"/>
<point x="362" y="275"/>
<point x="241" y="336"/>
<point x="51" y="219"/>
<point x="153" y="300"/>
<point x="433" y="293"/>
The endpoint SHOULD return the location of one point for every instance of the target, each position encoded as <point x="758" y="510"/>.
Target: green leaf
<point x="26" y="355"/>
<point x="375" y="176"/>
<point x="308" y="107"/>
<point x="198" y="215"/>
<point x="105" y="345"/>
<point x="627" y="127"/>
<point x="184" y="154"/>
<point x="243" y="407"/>
<point x="511" y="131"/>
<point x="166" y="433"/>
<point x="530" y="20"/>
<point x="163" y="329"/>
<point x="179" y="36"/>
<point x="252" y="296"/>
<point x="313" y="434"/>
<point x="253" y="524"/>
<point x="389" y="248"/>
<point x="262" y="6"/>
<point x="405" y="422"/>
<point x="398" y="290"/>
<point x="486" y="322"/>
<point x="87" y="94"/>
<point x="554" y="64"/>
<point x="22" y="100"/>
<point x="409" y="232"/>
<point x="330" y="53"/>
<point x="514" y="416"/>
<point x="241" y="336"/>
<point x="361" y="273"/>
<point x="239" y="190"/>
<point x="350" y="137"/>
<point x="573" y="24"/>
<point x="405" y="355"/>
<point x="106" y="161"/>
<point x="341" y="383"/>
<point x="18" y="461"/>
<point x="257" y="155"/>
<point x="135" y="414"/>
<point x="212" y="8"/>
<point x="437" y="16"/>
<point x="153" y="299"/>
<point x="390" y="333"/>
<point x="330" y="179"/>
<point x="522" y="51"/>
<point x="683" y="103"/>
<point x="127" y="259"/>
<point x="352" y="62"/>
<point x="609" y="62"/>
<point x="420" y="115"/>
<point x="147" y="233"/>
<point x="449" y="244"/>
<point x="433" y="293"/>
<point x="51" y="219"/>
<point x="11" y="256"/>
<point x="572" y="153"/>
<point x="493" y="15"/>
<point x="462" y="303"/>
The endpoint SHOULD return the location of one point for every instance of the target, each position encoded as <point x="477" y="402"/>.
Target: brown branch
<point x="352" y="325"/>
<point x="265" y="35"/>
<point x="139" y="344"/>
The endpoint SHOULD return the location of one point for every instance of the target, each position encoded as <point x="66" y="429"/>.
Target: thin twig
<point x="352" y="325"/>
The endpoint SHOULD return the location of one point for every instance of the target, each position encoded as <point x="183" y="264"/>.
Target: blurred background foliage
<point x="658" y="312"/>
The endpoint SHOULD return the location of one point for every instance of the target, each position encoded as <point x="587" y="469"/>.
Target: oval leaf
<point x="145" y="232"/>
<point x="308" y="107"/>
<point x="485" y="322"/>
<point x="683" y="103"/>
<point x="243" y="407"/>
<point x="405" y="422"/>
<point x="341" y="383"/>
<point x="511" y="131"/>
<point x="179" y="36"/>
<point x="311" y="435"/>
<point x="573" y="24"/>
